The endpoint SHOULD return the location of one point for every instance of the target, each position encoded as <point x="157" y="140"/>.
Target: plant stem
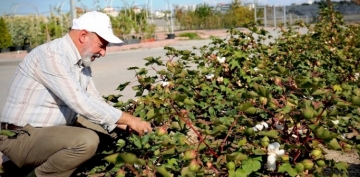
<point x="227" y="135"/>
<point x="196" y="132"/>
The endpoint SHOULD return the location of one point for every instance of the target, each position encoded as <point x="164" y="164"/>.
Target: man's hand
<point x="134" y="123"/>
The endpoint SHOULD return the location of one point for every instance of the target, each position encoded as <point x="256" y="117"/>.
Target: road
<point x="111" y="71"/>
<point x="108" y="72"/>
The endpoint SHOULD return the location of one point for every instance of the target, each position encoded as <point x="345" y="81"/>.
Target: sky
<point x="43" y="6"/>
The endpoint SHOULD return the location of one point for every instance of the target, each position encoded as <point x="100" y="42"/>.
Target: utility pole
<point x="73" y="9"/>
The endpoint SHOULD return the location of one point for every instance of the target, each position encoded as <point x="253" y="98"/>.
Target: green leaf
<point x="342" y="166"/>
<point x="245" y="106"/>
<point x="271" y="133"/>
<point x="254" y="94"/>
<point x="319" y="92"/>
<point x="121" y="87"/>
<point x="324" y="134"/>
<point x="211" y="111"/>
<point x="184" y="171"/>
<point x="136" y="140"/>
<point x="150" y="114"/>
<point x="145" y="139"/>
<point x="241" y="157"/>
<point x="120" y="143"/>
<point x="334" y="144"/>
<point x="287" y="109"/>
<point x="162" y="170"/>
<point x="242" y="142"/>
<point x="251" y="110"/>
<point x="343" y="104"/>
<point x="355" y="100"/>
<point x="250" y="166"/>
<point x="171" y="162"/>
<point x="189" y="101"/>
<point x="240" y="173"/>
<point x="286" y="167"/>
<point x="169" y="151"/>
<point x="337" y="88"/>
<point x="112" y="158"/>
<point x="127" y="158"/>
<point x="259" y="151"/>
<point x="281" y="69"/>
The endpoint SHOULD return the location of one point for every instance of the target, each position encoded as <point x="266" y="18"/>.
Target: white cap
<point x="98" y="23"/>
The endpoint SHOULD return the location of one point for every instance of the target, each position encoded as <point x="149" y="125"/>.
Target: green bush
<point x="5" y="39"/>
<point x="246" y="108"/>
<point x="190" y="35"/>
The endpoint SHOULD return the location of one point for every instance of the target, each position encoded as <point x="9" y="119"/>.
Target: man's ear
<point x="82" y="36"/>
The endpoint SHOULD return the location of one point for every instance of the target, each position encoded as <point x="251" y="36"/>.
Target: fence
<point x="271" y="16"/>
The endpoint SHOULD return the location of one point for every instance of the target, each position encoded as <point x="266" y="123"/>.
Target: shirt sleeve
<point x="93" y="93"/>
<point x="55" y="73"/>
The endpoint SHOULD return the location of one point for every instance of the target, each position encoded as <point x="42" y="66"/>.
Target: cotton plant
<point x="273" y="153"/>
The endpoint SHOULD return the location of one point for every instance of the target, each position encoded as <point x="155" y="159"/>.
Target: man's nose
<point x="103" y="52"/>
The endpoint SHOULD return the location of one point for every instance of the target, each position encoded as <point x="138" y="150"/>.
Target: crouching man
<point x="50" y="88"/>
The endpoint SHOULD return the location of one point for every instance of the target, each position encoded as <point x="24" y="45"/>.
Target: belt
<point x="7" y="126"/>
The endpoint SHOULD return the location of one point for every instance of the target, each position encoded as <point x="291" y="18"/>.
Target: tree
<point x="203" y="12"/>
<point x="238" y="15"/>
<point x="5" y="39"/>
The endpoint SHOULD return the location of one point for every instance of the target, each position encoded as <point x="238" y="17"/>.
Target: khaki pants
<point x="54" y="151"/>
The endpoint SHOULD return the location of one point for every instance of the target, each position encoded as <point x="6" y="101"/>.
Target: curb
<point x="22" y="53"/>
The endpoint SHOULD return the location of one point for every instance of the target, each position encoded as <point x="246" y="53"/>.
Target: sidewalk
<point x="161" y="36"/>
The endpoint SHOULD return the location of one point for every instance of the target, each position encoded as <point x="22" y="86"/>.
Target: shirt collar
<point x="74" y="50"/>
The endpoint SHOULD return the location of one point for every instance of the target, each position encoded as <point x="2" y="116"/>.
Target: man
<point x="53" y="85"/>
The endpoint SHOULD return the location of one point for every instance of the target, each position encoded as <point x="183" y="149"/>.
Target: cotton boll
<point x="274" y="146"/>
<point x="301" y="132"/>
<point x="265" y="125"/>
<point x="164" y="84"/>
<point x="271" y="162"/>
<point x="280" y="152"/>
<point x="221" y="60"/>
<point x="259" y="127"/>
<point x="335" y="122"/>
<point x="209" y="76"/>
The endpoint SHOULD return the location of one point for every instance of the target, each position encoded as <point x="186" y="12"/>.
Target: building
<point x="111" y="11"/>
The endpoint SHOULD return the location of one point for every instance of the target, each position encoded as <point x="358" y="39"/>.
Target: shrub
<point x="190" y="35"/>
<point x="246" y="108"/>
<point x="5" y="40"/>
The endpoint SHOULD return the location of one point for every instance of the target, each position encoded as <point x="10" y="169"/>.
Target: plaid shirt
<point x="51" y="86"/>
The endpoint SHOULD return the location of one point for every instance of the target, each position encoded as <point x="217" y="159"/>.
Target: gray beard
<point x="86" y="61"/>
<point x="87" y="55"/>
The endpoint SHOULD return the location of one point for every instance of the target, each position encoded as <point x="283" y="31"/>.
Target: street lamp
<point x="171" y="19"/>
<point x="59" y="6"/>
<point x="151" y="10"/>
<point x="107" y="2"/>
